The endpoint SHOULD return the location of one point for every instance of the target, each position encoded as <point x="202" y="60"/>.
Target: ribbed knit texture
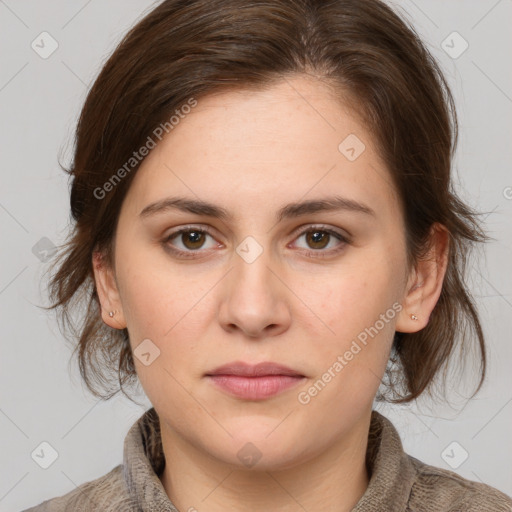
<point x="398" y="482"/>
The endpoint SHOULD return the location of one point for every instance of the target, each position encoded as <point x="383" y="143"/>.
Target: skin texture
<point x="252" y="152"/>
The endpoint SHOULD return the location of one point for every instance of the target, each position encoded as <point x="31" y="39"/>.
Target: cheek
<point x="157" y="297"/>
<point x="358" y="295"/>
<point x="360" y="307"/>
<point x="164" y="320"/>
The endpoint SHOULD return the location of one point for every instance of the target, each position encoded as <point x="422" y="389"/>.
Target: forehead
<point x="275" y="145"/>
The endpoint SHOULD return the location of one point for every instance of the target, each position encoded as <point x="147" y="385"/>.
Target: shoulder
<point x="436" y="489"/>
<point x="107" y="493"/>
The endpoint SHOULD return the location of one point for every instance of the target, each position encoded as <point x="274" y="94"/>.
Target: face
<point x="319" y="290"/>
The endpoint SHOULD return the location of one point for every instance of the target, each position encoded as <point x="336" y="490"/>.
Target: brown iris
<point x="193" y="239"/>
<point x="317" y="239"/>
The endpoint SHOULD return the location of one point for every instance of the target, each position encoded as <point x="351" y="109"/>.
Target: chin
<point x="259" y="447"/>
<point x="253" y="457"/>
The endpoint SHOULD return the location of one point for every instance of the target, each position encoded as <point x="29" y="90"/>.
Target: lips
<point x="258" y="370"/>
<point x="254" y="382"/>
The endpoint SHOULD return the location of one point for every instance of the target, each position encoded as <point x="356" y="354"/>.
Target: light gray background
<point x="39" y="103"/>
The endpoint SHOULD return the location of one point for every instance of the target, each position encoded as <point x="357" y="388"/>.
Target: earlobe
<point x="425" y="283"/>
<point x="108" y="294"/>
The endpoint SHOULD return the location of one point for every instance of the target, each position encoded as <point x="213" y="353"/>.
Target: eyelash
<point x="313" y="253"/>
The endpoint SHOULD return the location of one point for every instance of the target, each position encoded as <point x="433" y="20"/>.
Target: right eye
<point x="191" y="239"/>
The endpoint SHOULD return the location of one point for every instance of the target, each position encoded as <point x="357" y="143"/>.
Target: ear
<point x="108" y="293"/>
<point x="425" y="282"/>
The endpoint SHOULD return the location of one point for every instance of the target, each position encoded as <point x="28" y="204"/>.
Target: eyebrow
<point x="291" y="210"/>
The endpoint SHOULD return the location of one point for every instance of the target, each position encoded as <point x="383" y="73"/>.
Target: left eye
<point x="318" y="239"/>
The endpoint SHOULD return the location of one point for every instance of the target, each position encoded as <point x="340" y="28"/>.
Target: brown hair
<point x="189" y="48"/>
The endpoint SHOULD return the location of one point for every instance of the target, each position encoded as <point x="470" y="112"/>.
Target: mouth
<point x="254" y="382"/>
<point x="241" y="369"/>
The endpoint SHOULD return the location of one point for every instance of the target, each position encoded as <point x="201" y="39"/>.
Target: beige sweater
<point x="398" y="481"/>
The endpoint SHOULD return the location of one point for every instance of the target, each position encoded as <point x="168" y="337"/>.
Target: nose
<point x="254" y="299"/>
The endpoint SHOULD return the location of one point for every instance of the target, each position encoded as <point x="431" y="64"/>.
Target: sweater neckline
<point x="390" y="468"/>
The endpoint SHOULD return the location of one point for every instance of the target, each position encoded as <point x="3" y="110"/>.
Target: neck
<point x="331" y="481"/>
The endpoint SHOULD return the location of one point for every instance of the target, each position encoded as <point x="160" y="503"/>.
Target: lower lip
<point x="255" y="388"/>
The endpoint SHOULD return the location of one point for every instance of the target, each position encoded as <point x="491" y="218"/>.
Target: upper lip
<point x="254" y="370"/>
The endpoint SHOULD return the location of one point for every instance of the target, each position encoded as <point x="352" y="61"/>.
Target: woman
<point x="266" y="230"/>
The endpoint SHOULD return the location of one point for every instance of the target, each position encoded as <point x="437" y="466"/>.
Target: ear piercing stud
<point x="111" y="314"/>
<point x="414" y="317"/>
